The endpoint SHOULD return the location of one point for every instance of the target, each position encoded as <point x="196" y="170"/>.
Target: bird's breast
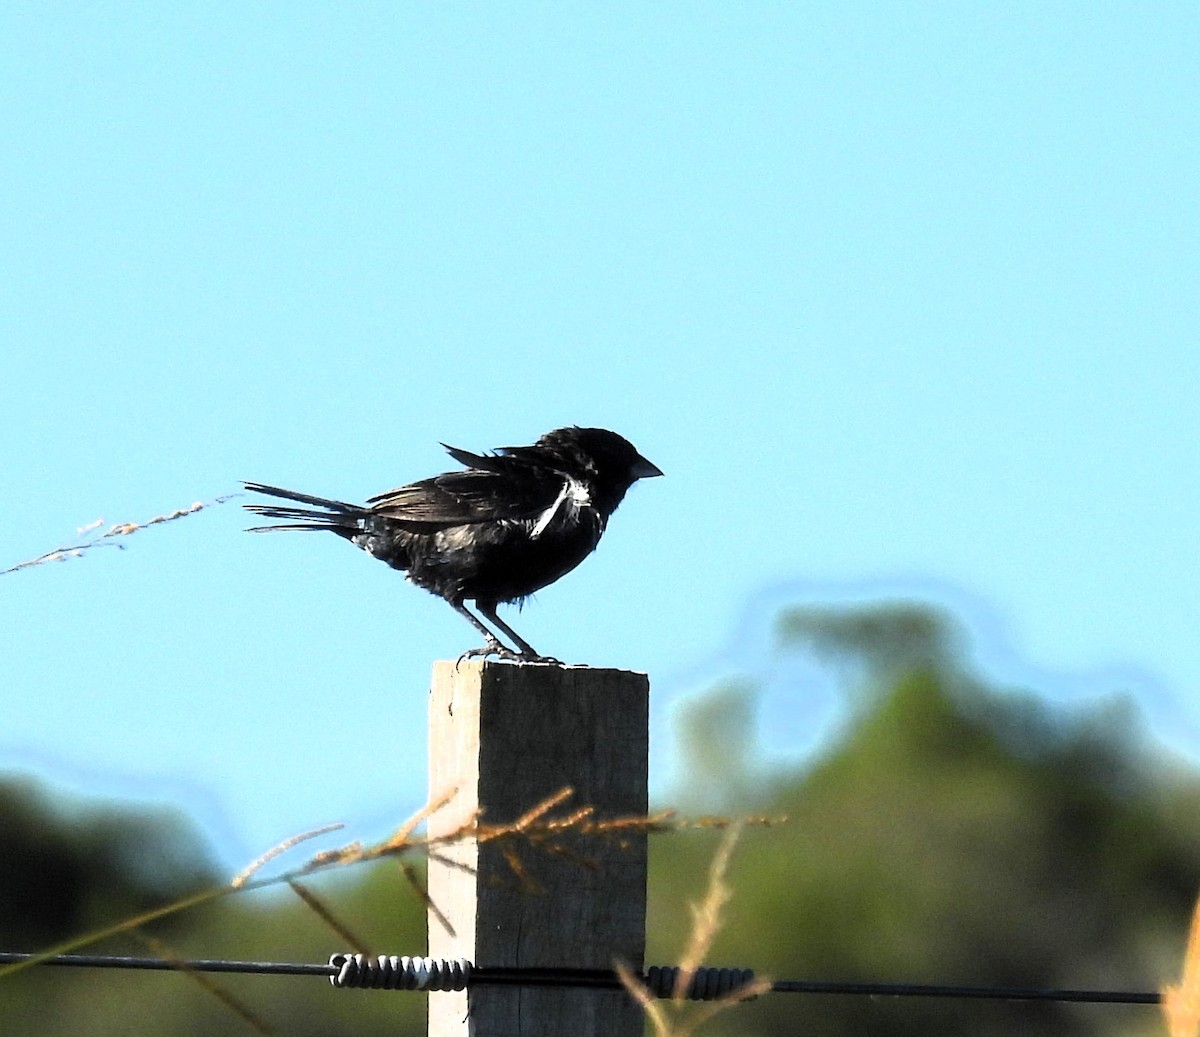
<point x="516" y="558"/>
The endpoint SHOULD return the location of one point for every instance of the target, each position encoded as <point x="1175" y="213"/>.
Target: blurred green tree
<point x="67" y="866"/>
<point x="952" y="833"/>
<point x="70" y="867"/>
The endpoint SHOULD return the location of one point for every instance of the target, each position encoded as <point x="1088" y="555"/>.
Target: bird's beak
<point x="643" y="469"/>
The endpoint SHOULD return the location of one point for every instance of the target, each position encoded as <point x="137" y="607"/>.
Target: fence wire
<point x="659" y="980"/>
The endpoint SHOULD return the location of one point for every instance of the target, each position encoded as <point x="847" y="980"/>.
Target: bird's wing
<point x="483" y="462"/>
<point x="476" y="495"/>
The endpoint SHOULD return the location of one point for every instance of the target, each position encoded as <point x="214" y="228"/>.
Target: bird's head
<point x="609" y="463"/>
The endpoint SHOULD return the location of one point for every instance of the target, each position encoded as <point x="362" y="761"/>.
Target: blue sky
<point x="902" y="298"/>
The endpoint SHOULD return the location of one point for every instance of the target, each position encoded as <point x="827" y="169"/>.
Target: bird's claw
<point x="488" y="651"/>
<point x="495" y="650"/>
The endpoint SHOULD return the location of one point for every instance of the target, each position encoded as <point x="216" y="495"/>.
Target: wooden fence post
<point x="507" y="736"/>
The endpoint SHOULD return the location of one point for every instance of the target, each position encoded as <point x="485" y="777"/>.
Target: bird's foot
<point x="493" y="649"/>
<point x="533" y="657"/>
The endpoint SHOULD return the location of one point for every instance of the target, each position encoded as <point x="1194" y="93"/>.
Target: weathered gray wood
<point x="507" y="736"/>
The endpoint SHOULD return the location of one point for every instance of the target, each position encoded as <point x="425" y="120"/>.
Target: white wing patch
<point x="574" y="495"/>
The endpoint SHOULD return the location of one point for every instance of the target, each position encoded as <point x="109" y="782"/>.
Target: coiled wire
<point x="399" y="972"/>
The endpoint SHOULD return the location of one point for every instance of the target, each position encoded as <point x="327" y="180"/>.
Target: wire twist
<point x="707" y="984"/>
<point x="399" y="972"/>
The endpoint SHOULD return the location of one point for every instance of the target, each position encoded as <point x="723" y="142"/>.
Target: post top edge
<point x="482" y="665"/>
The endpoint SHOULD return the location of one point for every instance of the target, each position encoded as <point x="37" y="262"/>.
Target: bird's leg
<point x="528" y="652"/>
<point x="493" y="646"/>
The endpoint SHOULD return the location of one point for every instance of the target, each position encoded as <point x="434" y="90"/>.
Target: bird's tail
<point x="332" y="515"/>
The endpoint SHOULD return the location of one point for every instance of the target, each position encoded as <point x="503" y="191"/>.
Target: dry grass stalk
<point x="243" y="876"/>
<point x="414" y="880"/>
<point x="675" y="1018"/>
<point x="322" y="911"/>
<point x="126" y="925"/>
<point x="535" y="814"/>
<point x="536" y="828"/>
<point x="403" y="834"/>
<point x="654" y="1009"/>
<point x="539" y="828"/>
<point x="206" y="983"/>
<point x="528" y="883"/>
<point x="1181" y="1004"/>
<point x="706" y="916"/>
<point x="109" y="538"/>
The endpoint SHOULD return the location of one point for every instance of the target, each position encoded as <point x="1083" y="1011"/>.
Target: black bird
<point x="513" y="522"/>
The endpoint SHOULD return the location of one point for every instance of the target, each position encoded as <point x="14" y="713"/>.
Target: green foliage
<point x="67" y="869"/>
<point x="953" y="834"/>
